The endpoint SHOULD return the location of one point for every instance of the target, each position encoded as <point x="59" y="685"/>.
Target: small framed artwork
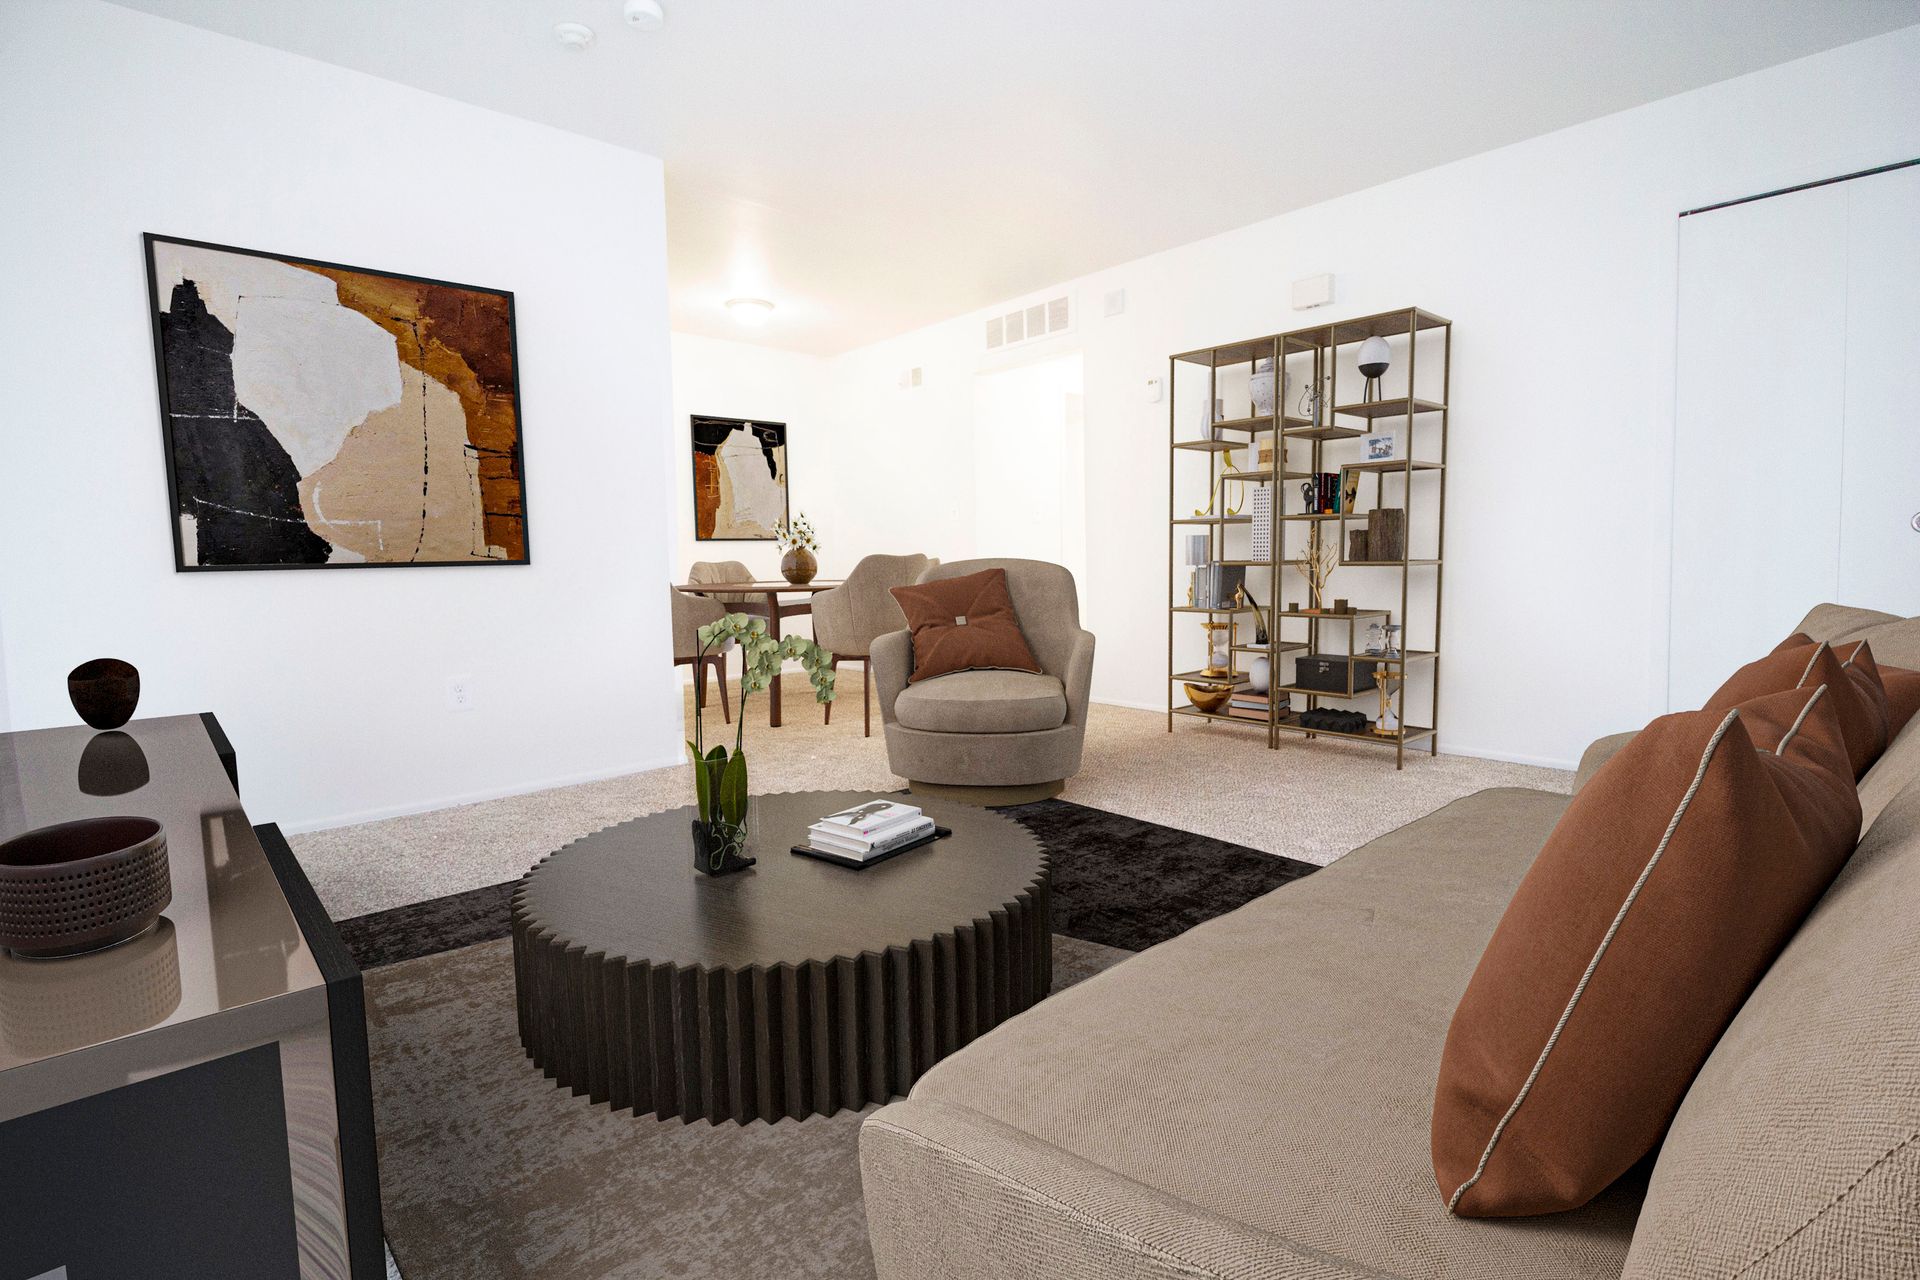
<point x="320" y="416"/>
<point x="739" y="479"/>
<point x="1381" y="448"/>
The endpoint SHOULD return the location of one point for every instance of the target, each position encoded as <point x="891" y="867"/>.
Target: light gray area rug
<point x="488" y="1169"/>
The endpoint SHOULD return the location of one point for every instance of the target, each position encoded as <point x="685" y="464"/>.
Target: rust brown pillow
<point x="1660" y="898"/>
<point x="1852" y="680"/>
<point x="1903" y="697"/>
<point x="964" y="624"/>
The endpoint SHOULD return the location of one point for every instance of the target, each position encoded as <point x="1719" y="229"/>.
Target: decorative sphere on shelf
<point x="1375" y="356"/>
<point x="1259" y="675"/>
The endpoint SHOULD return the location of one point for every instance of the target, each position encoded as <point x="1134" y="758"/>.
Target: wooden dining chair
<point x="847" y="618"/>
<point x="690" y="613"/>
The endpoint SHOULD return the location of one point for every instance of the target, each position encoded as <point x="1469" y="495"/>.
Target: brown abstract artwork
<point x="325" y="416"/>
<point x="739" y="479"/>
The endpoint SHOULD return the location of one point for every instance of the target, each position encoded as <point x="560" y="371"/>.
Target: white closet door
<point x="1757" y="430"/>
<point x="1880" y="494"/>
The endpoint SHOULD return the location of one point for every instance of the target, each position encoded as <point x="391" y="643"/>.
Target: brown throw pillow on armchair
<point x="964" y="624"/>
<point x="1661" y="897"/>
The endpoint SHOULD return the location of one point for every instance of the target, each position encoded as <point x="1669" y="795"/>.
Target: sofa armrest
<point x="891" y="661"/>
<point x="952" y="1194"/>
<point x="1078" y="678"/>
<point x="1602" y="750"/>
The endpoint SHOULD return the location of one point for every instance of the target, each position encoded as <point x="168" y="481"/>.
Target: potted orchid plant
<point x="720" y="775"/>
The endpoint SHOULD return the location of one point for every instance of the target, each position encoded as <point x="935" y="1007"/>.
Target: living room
<point x="960" y="704"/>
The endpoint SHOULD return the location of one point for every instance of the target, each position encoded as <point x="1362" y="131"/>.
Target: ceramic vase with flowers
<point x="722" y="820"/>
<point x="798" y="542"/>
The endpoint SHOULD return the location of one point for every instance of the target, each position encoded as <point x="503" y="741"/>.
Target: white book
<point x="867" y="821"/>
<point x="864" y="849"/>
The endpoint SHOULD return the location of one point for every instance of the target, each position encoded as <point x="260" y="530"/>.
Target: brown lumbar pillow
<point x="964" y="624"/>
<point x="1662" y="895"/>
<point x="1852" y="680"/>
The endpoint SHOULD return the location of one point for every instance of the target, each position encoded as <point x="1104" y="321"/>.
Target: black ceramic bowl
<point x="104" y="691"/>
<point x="80" y="886"/>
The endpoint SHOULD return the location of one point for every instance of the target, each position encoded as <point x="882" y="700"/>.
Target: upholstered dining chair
<point x="847" y="618"/>
<point x="690" y="613"/>
<point x="721" y="571"/>
<point x="993" y="737"/>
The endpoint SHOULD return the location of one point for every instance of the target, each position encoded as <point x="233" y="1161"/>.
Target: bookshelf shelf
<point x="1389" y="525"/>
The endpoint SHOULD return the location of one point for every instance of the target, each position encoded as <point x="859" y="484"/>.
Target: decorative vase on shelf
<point x="1259" y="675"/>
<point x="723" y="820"/>
<point x="798" y="566"/>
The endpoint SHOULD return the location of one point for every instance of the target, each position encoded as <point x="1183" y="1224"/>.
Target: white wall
<point x="876" y="469"/>
<point x="331" y="684"/>
<point x="1556" y="260"/>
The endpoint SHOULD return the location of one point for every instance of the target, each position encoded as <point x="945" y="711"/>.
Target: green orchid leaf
<point x="703" y="787"/>
<point x="733" y="790"/>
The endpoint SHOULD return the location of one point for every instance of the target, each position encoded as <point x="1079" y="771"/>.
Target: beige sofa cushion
<point x="1266" y="1076"/>
<point x="1797" y="1151"/>
<point x="983" y="702"/>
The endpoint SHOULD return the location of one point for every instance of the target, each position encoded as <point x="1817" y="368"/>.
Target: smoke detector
<point x="644" y="15"/>
<point x="573" y="35"/>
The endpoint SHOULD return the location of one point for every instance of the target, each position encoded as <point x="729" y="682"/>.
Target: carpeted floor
<point x="489" y="1170"/>
<point x="1308" y="800"/>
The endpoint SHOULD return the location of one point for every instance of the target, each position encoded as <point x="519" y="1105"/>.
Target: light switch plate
<point x="1312" y="291"/>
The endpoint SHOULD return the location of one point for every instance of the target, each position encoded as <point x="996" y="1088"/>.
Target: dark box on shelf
<point x="1328" y="672"/>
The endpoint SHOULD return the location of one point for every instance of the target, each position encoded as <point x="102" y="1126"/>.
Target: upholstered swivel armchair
<point x="994" y="737"/>
<point x="848" y="618"/>
<point x="690" y="613"/>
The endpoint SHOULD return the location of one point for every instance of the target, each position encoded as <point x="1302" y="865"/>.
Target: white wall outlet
<point x="1117" y="302"/>
<point x="461" y="693"/>
<point x="1154" y="388"/>
<point x="1312" y="291"/>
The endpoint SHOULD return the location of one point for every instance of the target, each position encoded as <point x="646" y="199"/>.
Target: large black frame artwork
<point x="711" y="521"/>
<point x="433" y="476"/>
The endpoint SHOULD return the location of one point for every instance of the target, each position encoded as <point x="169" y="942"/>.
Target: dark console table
<point x="194" y="1102"/>
<point x="793" y="988"/>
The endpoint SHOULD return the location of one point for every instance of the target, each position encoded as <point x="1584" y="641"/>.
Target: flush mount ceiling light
<point x="645" y="15"/>
<point x="573" y="35"/>
<point x="749" y="311"/>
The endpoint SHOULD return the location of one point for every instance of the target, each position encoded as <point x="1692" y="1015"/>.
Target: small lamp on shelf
<point x="1375" y="357"/>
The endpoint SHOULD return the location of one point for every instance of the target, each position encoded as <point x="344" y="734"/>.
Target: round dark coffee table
<point x="793" y="988"/>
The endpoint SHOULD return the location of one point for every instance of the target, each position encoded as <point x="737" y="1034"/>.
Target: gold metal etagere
<point x="1311" y="434"/>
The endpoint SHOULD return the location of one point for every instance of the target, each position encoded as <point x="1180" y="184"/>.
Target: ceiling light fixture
<point x="749" y="311"/>
<point x="645" y="15"/>
<point x="573" y="35"/>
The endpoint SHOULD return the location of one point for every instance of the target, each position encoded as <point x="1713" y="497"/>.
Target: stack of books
<point x="1249" y="705"/>
<point x="868" y="831"/>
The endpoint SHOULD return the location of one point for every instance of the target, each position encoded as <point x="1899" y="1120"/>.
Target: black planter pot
<point x="717" y="848"/>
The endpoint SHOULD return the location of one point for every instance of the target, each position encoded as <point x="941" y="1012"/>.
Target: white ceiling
<point x="872" y="167"/>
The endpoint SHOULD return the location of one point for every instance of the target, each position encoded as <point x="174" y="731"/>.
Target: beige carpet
<point x="1309" y="800"/>
<point x="489" y="1170"/>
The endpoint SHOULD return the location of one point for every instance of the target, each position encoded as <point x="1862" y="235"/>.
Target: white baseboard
<point x="475" y="797"/>
<point x="1506" y="757"/>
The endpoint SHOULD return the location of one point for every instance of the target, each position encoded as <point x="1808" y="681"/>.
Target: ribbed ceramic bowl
<point x="80" y="886"/>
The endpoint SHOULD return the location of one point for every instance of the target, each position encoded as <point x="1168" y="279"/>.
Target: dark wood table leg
<point x="773" y="689"/>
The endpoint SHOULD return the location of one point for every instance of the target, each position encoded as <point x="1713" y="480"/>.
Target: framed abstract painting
<point x="320" y="416"/>
<point x="739" y="479"/>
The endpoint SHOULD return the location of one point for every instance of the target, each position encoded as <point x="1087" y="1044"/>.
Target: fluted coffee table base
<point x="794" y="988"/>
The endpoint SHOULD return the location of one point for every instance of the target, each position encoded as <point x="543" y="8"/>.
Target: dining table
<point x="763" y="599"/>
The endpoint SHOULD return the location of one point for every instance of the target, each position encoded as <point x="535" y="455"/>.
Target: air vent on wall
<point x="1031" y="322"/>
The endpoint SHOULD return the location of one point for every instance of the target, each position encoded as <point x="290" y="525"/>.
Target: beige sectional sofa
<point x="1252" y="1098"/>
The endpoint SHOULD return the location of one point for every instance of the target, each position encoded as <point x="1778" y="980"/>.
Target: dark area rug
<point x="1117" y="881"/>
<point x="488" y="1169"/>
